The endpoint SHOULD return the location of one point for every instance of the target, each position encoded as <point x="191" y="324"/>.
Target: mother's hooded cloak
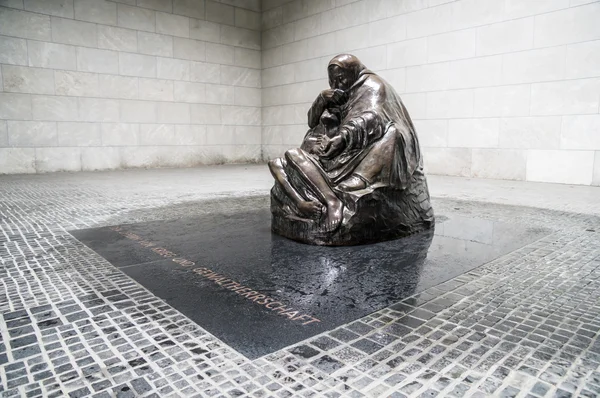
<point x="371" y="110"/>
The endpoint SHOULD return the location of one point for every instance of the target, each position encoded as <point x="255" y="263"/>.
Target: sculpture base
<point x="372" y="215"/>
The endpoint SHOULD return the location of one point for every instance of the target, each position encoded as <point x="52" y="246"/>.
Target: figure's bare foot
<point x="309" y="208"/>
<point x="334" y="214"/>
<point x="353" y="183"/>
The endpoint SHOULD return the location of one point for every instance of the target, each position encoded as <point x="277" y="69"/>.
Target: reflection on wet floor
<point x="335" y="285"/>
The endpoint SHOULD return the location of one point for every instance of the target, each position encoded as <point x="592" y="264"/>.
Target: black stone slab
<point x="327" y="286"/>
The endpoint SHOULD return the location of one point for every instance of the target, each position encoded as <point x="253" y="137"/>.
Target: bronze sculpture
<point x="358" y="175"/>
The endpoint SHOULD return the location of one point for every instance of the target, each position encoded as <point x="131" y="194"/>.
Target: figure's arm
<point x="316" y="110"/>
<point x="362" y="130"/>
<point x="356" y="133"/>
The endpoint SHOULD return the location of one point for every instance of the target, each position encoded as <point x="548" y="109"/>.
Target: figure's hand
<point x="311" y="145"/>
<point x="331" y="147"/>
<point x="333" y="96"/>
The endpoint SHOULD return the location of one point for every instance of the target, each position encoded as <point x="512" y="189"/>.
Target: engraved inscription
<point x="264" y="300"/>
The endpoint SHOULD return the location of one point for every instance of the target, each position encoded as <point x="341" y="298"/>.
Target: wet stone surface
<point x="223" y="270"/>
<point x="525" y="324"/>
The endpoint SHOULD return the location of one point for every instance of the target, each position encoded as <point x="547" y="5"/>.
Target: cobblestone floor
<point x="525" y="324"/>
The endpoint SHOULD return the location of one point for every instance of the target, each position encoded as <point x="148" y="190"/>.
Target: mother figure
<point x="358" y="175"/>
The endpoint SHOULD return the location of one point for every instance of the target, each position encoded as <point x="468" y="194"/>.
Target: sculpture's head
<point x="343" y="71"/>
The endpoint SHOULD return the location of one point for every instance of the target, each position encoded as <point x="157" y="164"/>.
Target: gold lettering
<point x="183" y="262"/>
<point x="313" y="320"/>
<point x="258" y="297"/>
<point x="163" y="252"/>
<point x="265" y="301"/>
<point x="248" y="293"/>
<point x="301" y="317"/>
<point x="132" y="236"/>
<point x="198" y="271"/>
<point x="290" y="315"/>
<point x="275" y="302"/>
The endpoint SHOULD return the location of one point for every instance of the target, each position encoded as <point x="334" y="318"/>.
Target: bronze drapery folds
<point x="358" y="176"/>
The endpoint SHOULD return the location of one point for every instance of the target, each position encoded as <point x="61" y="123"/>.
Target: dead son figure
<point x="358" y="175"/>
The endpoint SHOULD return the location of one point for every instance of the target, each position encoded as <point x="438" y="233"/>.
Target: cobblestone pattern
<point x="72" y="325"/>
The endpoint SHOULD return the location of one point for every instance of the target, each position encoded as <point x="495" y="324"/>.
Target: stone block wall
<point x="497" y="88"/>
<point x="506" y="89"/>
<point x="98" y="84"/>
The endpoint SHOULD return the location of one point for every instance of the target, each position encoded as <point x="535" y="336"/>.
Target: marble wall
<point x="506" y="89"/>
<point x="95" y="84"/>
